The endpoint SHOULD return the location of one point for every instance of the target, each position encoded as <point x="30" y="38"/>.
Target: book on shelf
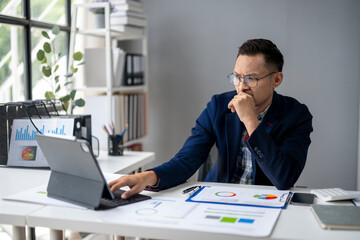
<point x="128" y="13"/>
<point x="130" y="2"/>
<point x="127" y="108"/>
<point x="127" y="20"/>
<point x="127" y="5"/>
<point x="129" y="30"/>
<point x="134" y="147"/>
<point x="95" y="67"/>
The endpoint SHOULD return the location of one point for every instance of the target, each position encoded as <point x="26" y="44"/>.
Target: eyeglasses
<point x="251" y="81"/>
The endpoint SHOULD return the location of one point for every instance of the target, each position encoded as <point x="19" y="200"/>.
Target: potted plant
<point x="99" y="13"/>
<point x="49" y="61"/>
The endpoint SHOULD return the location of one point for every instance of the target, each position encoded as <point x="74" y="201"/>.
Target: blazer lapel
<point x="271" y="118"/>
<point x="233" y="137"/>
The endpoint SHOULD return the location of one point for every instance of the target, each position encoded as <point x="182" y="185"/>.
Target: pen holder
<point x="115" y="145"/>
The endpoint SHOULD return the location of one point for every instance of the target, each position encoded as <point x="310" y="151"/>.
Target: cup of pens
<point x="115" y="145"/>
<point x="115" y="141"/>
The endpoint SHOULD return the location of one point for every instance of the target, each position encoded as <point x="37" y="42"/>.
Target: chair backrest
<point x="208" y="164"/>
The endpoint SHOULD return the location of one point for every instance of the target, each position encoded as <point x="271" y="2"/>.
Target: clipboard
<point x="252" y="197"/>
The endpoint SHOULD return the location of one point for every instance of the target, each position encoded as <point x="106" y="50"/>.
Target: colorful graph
<point x="265" y="196"/>
<point x="29" y="135"/>
<point x="230" y="219"/>
<point x="225" y="194"/>
<point x="29" y="153"/>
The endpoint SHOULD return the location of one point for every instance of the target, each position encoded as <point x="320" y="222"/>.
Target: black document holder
<point x="75" y="174"/>
<point x="36" y="109"/>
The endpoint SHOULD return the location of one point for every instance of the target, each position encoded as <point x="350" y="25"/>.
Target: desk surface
<point x="130" y="161"/>
<point x="295" y="222"/>
<point x="14" y="180"/>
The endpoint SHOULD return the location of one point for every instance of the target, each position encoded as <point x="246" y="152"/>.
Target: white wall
<point x="193" y="45"/>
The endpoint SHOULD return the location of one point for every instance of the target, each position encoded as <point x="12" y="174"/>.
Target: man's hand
<point x="137" y="182"/>
<point x="244" y="105"/>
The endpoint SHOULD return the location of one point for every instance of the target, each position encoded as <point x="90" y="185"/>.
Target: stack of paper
<point x="128" y="13"/>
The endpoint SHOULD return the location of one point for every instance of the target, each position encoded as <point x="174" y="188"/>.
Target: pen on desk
<point x="188" y="189"/>
<point x="193" y="191"/>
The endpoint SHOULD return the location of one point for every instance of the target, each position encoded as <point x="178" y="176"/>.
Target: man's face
<point x="263" y="91"/>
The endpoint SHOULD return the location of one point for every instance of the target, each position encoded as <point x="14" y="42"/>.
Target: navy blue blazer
<point x="279" y="145"/>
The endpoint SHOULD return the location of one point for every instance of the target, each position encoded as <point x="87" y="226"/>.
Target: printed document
<point x="166" y="212"/>
<point x="24" y="149"/>
<point x="241" y="196"/>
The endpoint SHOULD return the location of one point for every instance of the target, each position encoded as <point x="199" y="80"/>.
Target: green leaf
<point x="77" y="56"/>
<point x="57" y="78"/>
<point x="79" y="102"/>
<point x="45" y="34"/>
<point x="40" y="55"/>
<point x="74" y="70"/>
<point x="65" y="98"/>
<point x="44" y="61"/>
<point x="72" y="94"/>
<point x="56" y="68"/>
<point x="67" y="83"/>
<point x="49" y="95"/>
<point x="46" y="71"/>
<point x="66" y="106"/>
<point x="82" y="63"/>
<point x="47" y="47"/>
<point x="55" y="30"/>
<point x="57" y="89"/>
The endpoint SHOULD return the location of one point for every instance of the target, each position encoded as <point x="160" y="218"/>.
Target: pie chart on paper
<point x="265" y="196"/>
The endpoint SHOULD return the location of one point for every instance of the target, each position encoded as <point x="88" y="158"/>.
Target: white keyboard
<point x="334" y="194"/>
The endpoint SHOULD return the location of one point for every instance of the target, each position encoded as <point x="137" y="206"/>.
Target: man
<point x="262" y="137"/>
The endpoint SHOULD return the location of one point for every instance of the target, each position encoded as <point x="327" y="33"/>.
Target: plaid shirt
<point x="243" y="173"/>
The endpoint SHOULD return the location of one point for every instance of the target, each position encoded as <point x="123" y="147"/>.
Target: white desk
<point x="130" y="161"/>
<point x="295" y="222"/>
<point x="13" y="180"/>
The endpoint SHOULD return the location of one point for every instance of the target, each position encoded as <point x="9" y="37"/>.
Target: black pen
<point x="190" y="189"/>
<point x="195" y="190"/>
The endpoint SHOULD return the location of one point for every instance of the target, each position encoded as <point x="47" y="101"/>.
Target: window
<point x="21" y="24"/>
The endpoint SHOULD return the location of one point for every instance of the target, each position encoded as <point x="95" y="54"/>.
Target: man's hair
<point x="272" y="54"/>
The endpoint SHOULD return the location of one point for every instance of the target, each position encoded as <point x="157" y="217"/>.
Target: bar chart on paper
<point x="26" y="134"/>
<point x="24" y="150"/>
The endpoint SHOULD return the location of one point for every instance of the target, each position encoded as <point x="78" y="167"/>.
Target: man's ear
<point x="278" y="79"/>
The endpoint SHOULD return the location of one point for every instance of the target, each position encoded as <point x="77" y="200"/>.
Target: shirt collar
<point x="261" y="116"/>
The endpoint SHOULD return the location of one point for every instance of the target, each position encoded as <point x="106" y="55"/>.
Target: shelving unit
<point x="111" y="37"/>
